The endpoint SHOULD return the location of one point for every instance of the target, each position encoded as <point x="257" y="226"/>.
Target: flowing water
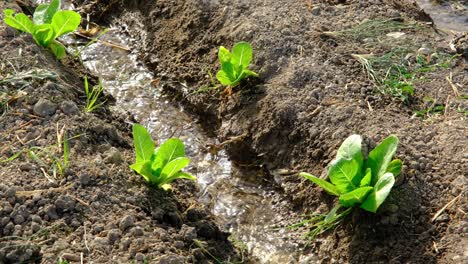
<point x="240" y="202"/>
<point x="451" y="15"/>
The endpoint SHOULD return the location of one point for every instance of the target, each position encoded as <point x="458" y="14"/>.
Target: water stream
<point x="235" y="196"/>
<point x="451" y="15"/>
<point x="244" y="206"/>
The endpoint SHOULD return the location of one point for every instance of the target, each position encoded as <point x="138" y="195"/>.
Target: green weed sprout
<point x="234" y="66"/>
<point x="92" y="95"/>
<point x="357" y="182"/>
<point x="48" y="23"/>
<point x="161" y="167"/>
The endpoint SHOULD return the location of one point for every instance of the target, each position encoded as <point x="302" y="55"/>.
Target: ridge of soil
<point x="99" y="211"/>
<point x="312" y="95"/>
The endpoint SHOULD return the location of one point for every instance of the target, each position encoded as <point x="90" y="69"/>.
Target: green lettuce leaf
<point x="57" y="49"/>
<point x="381" y="156"/>
<point x="395" y="167"/>
<point x="328" y="187"/>
<point x="143" y="143"/>
<point x="44" y="12"/>
<point x="224" y="55"/>
<point x="43" y="34"/>
<point x="173" y="167"/>
<point x="355" y="197"/>
<point x="65" y="22"/>
<point x="381" y="190"/>
<point x="345" y="175"/>
<point x="241" y="55"/>
<point x="366" y="180"/>
<point x="20" y="22"/>
<point x="171" y="149"/>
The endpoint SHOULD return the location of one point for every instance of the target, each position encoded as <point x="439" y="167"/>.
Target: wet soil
<point x="311" y="95"/>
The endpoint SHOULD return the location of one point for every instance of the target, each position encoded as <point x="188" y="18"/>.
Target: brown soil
<point x="310" y="96"/>
<point x="98" y="211"/>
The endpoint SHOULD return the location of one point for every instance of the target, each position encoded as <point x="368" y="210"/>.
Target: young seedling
<point x="356" y="181"/>
<point x="56" y="157"/>
<point x="161" y="167"/>
<point x="48" y="23"/>
<point x="92" y="95"/>
<point x="234" y="66"/>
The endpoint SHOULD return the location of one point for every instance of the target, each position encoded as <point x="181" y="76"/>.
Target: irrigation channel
<point x="242" y="205"/>
<point x="451" y="15"/>
<point x="247" y="208"/>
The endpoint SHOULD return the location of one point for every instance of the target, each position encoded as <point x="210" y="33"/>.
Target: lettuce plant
<point x="358" y="181"/>
<point x="48" y="23"/>
<point x="161" y="167"/>
<point x="234" y="66"/>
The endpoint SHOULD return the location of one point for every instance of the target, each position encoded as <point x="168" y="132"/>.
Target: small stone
<point x="36" y="219"/>
<point x="19" y="219"/>
<point x="71" y="257"/>
<point x="18" y="230"/>
<point x="69" y="108"/>
<point x="316" y="10"/>
<point x="51" y="212"/>
<point x="125" y="244"/>
<point x="113" y="236"/>
<point x="113" y="156"/>
<point x="65" y="203"/>
<point x="8" y="229"/>
<point x="85" y="179"/>
<point x="188" y="233"/>
<point x="179" y="244"/>
<point x="172" y="259"/>
<point x="23" y="210"/>
<point x="137" y="231"/>
<point x="4" y="221"/>
<point x="25" y="166"/>
<point x="98" y="229"/>
<point x="139" y="257"/>
<point x="35" y="227"/>
<point x="11" y="192"/>
<point x="44" y="108"/>
<point x="126" y="222"/>
<point x="101" y="241"/>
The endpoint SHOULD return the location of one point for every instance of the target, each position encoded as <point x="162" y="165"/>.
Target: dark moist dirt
<point x="310" y="96"/>
<point x="99" y="211"/>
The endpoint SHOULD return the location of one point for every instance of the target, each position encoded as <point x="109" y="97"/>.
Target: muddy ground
<point x="311" y="95"/>
<point x="97" y="210"/>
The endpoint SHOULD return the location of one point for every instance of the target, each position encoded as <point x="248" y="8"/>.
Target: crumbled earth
<point x="95" y="209"/>
<point x="310" y="96"/>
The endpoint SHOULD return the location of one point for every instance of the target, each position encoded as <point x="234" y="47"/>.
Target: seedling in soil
<point x="48" y="23"/>
<point x="92" y="95"/>
<point x="234" y="66"/>
<point x="431" y="107"/>
<point x="356" y="181"/>
<point x="49" y="157"/>
<point x="62" y="261"/>
<point x="161" y="167"/>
